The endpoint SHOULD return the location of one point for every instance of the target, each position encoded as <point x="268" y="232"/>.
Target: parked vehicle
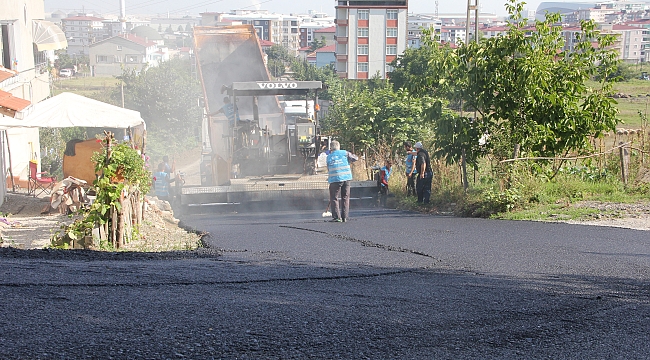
<point x="65" y="73"/>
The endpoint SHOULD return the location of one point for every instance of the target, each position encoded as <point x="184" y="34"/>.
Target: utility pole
<point x="472" y="5"/>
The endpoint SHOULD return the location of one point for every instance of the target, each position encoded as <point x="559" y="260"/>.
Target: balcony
<point x="342" y="39"/>
<point x="342" y="57"/>
<point x="341" y="22"/>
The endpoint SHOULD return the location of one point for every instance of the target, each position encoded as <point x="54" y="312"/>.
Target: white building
<point x="369" y="35"/>
<point x="280" y="29"/>
<point x="26" y="40"/>
<point x="453" y="34"/>
<point x="419" y="22"/>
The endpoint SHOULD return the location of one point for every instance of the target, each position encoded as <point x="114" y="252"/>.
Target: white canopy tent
<point x="72" y="110"/>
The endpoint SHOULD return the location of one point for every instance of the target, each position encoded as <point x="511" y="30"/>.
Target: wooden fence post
<point x="625" y="162"/>
<point x="464" y="168"/>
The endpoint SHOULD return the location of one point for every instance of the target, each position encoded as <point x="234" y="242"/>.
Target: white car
<point x="65" y="72"/>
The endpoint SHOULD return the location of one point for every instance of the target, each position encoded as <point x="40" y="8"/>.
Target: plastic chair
<point x="38" y="182"/>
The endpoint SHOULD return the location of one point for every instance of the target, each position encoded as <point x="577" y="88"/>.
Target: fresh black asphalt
<point x="385" y="285"/>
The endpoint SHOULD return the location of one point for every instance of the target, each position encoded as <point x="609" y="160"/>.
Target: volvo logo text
<point x="284" y="85"/>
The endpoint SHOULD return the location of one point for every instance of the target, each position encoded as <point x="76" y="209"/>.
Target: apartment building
<point x="81" y="31"/>
<point x="419" y="22"/>
<point x="630" y="42"/>
<point x="453" y="34"/>
<point x="645" y="25"/>
<point x="280" y="29"/>
<point x="309" y="28"/>
<point x="370" y="34"/>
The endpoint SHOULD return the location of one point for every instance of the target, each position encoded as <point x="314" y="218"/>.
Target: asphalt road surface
<point x="385" y="285"/>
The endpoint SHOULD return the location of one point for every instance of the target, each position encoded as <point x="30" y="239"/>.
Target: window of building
<point x="363" y="14"/>
<point x="362" y="50"/>
<point x="102" y="58"/>
<point x="391" y="32"/>
<point x="391" y="14"/>
<point x="391" y="49"/>
<point x="119" y="47"/>
<point x="389" y="68"/>
<point x="362" y="32"/>
<point x="117" y="59"/>
<point x="362" y="67"/>
<point x="131" y="59"/>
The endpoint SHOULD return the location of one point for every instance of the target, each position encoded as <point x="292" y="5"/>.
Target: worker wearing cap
<point x="339" y="177"/>
<point x="425" y="174"/>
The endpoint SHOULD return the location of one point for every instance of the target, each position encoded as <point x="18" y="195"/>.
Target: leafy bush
<point x="123" y="170"/>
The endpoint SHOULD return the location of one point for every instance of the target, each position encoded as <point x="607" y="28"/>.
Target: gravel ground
<point x="630" y="216"/>
<point x="25" y="227"/>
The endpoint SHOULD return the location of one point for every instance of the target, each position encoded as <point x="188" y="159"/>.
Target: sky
<point x="193" y="7"/>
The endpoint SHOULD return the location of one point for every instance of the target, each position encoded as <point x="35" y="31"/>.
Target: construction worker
<point x="382" y="182"/>
<point x="339" y="177"/>
<point x="411" y="170"/>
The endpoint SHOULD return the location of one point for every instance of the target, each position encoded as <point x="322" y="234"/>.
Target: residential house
<point x="27" y="41"/>
<point x="127" y="51"/>
<point x="326" y="56"/>
<point x="328" y="33"/>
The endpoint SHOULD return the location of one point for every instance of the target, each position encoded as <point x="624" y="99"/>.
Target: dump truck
<point x="261" y="137"/>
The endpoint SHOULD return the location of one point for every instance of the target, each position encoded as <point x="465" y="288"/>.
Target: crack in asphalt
<point x="365" y="242"/>
<point x="191" y="283"/>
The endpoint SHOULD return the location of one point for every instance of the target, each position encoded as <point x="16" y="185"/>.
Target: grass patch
<point x="83" y="85"/>
<point x="550" y="212"/>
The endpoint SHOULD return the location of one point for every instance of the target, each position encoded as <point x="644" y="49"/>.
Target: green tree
<point x="525" y="85"/>
<point x="166" y="97"/>
<point x="379" y="119"/>
<point x="317" y="43"/>
<point x="304" y="71"/>
<point x="180" y="28"/>
<point x="169" y="29"/>
<point x="276" y="67"/>
<point x="525" y="89"/>
<point x="277" y="52"/>
<point x="63" y="60"/>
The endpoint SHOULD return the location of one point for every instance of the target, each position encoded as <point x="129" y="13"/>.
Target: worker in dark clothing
<point x="425" y="174"/>
<point x="411" y="170"/>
